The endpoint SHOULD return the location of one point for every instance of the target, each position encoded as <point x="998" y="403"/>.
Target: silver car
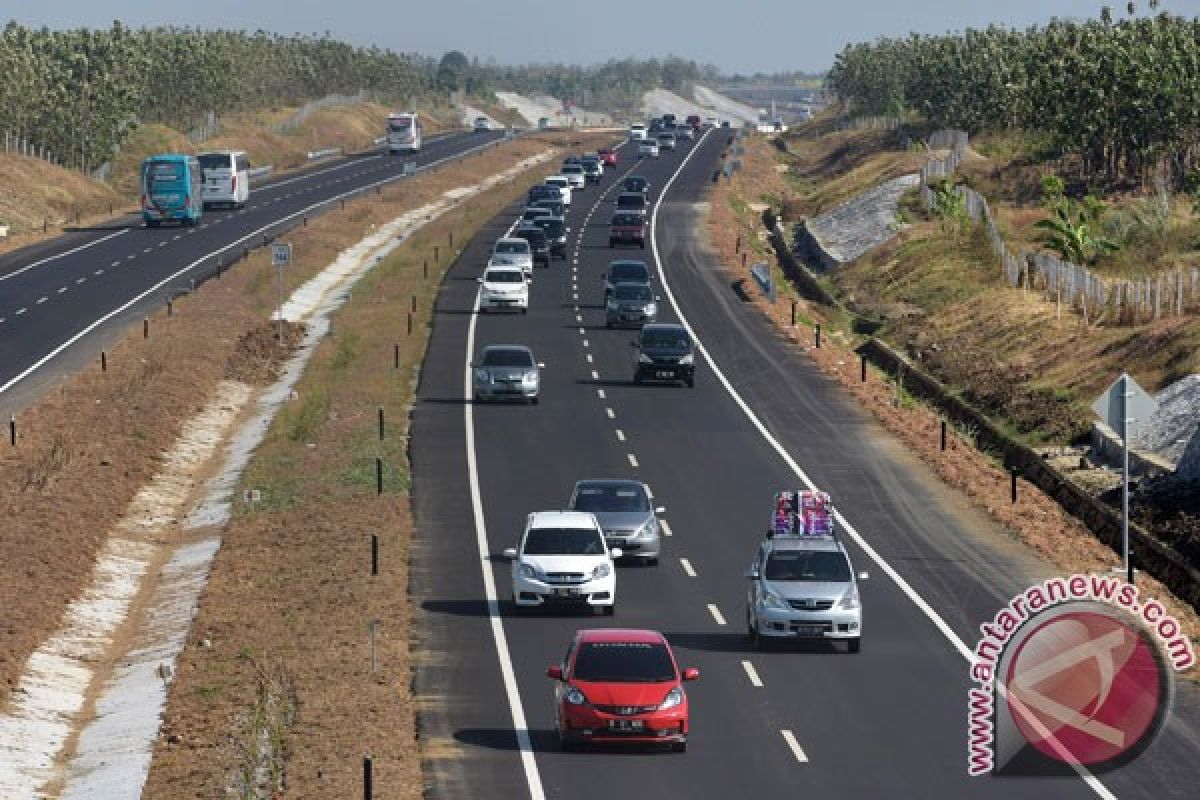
<point x="625" y="513"/>
<point x="506" y="371"/>
<point x="803" y="587"/>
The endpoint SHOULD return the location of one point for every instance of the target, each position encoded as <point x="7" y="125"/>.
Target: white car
<point x="564" y="560"/>
<point x="504" y="286"/>
<point x="512" y="252"/>
<point x="482" y="125"/>
<point x="648" y="147"/>
<point x="575" y="176"/>
<point x="637" y="131"/>
<point x="564" y="186"/>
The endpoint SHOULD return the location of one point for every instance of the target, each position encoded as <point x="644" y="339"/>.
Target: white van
<point x="226" y="178"/>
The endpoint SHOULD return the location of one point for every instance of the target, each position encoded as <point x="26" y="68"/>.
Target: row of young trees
<point x="1124" y="95"/>
<point x="79" y="93"/>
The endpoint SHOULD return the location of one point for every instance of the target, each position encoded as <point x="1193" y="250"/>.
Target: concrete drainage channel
<point x="78" y="730"/>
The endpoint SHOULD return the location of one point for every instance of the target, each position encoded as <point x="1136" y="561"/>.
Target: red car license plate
<point x="626" y="724"/>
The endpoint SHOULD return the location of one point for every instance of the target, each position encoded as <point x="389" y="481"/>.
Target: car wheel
<point x="637" y="379"/>
<point x="568" y="745"/>
<point x="610" y="610"/>
<point x="650" y="562"/>
<point x="754" y="638"/>
<point x="678" y="747"/>
<point x="691" y="382"/>
<point x="478" y="397"/>
<point x="524" y="310"/>
<point x="854" y="645"/>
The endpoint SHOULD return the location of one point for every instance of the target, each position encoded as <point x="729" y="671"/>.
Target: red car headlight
<point x="673" y="698"/>
<point x="575" y="697"/>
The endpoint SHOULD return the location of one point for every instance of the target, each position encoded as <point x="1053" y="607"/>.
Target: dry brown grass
<point x="1036" y="520"/>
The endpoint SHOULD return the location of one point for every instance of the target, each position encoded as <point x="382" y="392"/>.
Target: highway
<point x="797" y="721"/>
<point x="58" y="298"/>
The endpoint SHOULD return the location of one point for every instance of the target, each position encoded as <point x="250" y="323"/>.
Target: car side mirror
<point x="510" y="553"/>
<point x="616" y="553"/>
<point x="862" y="576"/>
<point x="691" y="674"/>
<point x="660" y="510"/>
<point x="554" y="672"/>
<point x="750" y="574"/>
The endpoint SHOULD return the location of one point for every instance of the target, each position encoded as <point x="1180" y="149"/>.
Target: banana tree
<point x="1069" y="232"/>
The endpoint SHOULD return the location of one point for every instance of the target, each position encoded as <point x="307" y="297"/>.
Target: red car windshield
<point x="624" y="662"/>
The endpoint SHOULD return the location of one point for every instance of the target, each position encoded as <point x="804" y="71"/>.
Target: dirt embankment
<point x="1036" y="519"/>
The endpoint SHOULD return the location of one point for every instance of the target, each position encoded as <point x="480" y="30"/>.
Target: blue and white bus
<point x="403" y="132"/>
<point x="172" y="189"/>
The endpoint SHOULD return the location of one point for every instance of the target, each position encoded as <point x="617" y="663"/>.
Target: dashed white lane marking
<point x="620" y="435"/>
<point x="579" y="318"/>
<point x="131" y="256"/>
<point x="752" y="674"/>
<point x="575" y="296"/>
<point x="582" y="331"/>
<point x="42" y="300"/>
<point x="98" y="272"/>
<point x="21" y="311"/>
<point x="585" y="343"/>
<point x="62" y="289"/>
<point x="797" y="750"/>
<point x="117" y="263"/>
<point x="178" y="236"/>
<point x="148" y="250"/>
<point x="80" y="280"/>
<point x="576" y="309"/>
<point x="633" y="462"/>
<point x="611" y="414"/>
<point x="589" y="358"/>
<point x="600" y="393"/>
<point x="162" y="244"/>
<point x="595" y="375"/>
<point x="691" y="573"/>
<point x="716" y="614"/>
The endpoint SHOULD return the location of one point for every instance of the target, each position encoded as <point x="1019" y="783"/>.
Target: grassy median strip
<point x="298" y="662"/>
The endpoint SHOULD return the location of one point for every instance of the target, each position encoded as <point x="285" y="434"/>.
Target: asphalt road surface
<point x="796" y="721"/>
<point x="58" y="298"/>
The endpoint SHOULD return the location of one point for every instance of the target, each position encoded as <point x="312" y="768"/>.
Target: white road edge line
<point x="1091" y="780"/>
<point x="63" y="254"/>
<point x="797" y="750"/>
<point x="752" y="674"/>
<point x="690" y="570"/>
<point x="716" y="614"/>
<point x="520" y="726"/>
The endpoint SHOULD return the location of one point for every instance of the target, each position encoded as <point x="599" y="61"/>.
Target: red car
<point x="619" y="685"/>
<point x="608" y="156"/>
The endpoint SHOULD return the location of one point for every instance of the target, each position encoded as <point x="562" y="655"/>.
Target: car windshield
<point x="666" y="339"/>
<point x="633" y="294"/>
<point x="507" y="357"/>
<point x="504" y="276"/>
<point x="535" y="236"/>
<point x="631" y="201"/>
<point x="572" y="169"/>
<point x="632" y="272"/>
<point x="623" y="662"/>
<point x="510" y="248"/>
<point x="559" y="182"/>
<point x="214" y="161"/>
<point x="610" y="498"/>
<point x="552" y="227"/>
<point x="564" y="542"/>
<point x="808" y="565"/>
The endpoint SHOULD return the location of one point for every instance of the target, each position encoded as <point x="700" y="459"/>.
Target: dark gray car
<point x="624" y="272"/>
<point x="630" y="305"/>
<point x="625" y="514"/>
<point x="506" y="371"/>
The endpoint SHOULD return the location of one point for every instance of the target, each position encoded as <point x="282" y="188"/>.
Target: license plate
<point x="665" y="373"/>
<point x="809" y="630"/>
<point x="626" y="724"/>
<point x="564" y="592"/>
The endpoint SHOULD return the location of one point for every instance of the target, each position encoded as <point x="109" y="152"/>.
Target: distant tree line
<point x="79" y="93"/>
<point x="1124" y="96"/>
<point x="614" y="84"/>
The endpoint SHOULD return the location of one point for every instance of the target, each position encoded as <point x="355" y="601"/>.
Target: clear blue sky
<point x="736" y="35"/>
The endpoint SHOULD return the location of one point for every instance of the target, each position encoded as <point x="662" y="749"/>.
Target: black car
<point x="555" y="207"/>
<point x="625" y="272"/>
<point x="543" y="192"/>
<point x="539" y="243"/>
<point x="556" y="233"/>
<point x="635" y="183"/>
<point x="664" y="353"/>
<point x="592" y="171"/>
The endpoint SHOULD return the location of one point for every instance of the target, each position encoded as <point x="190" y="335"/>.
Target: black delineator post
<point x="378" y="475"/>
<point x="437" y="256"/>
<point x="793" y="313"/>
<point x="368" y="779"/>
<point x="170" y="308"/>
<point x="862" y="365"/>
<point x="425" y="268"/>
<point x="743" y="260"/>
<point x="817" y="334"/>
<point x="414" y="303"/>
<point x="451" y="240"/>
<point x="737" y="246"/>
<point x="381" y="423"/>
<point x="1013" y="473"/>
<point x="145" y="327"/>
<point x="943" y="434"/>
<point x="12" y="429"/>
<point x="410" y="323"/>
<point x="374" y="554"/>
<point x="103" y="361"/>
<point x="395" y="356"/>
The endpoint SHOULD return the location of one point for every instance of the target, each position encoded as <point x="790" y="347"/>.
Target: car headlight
<point x="482" y="376"/>
<point x="850" y="599"/>
<point x="651" y="309"/>
<point x="688" y="360"/>
<point x="772" y="600"/>
<point x="644" y="359"/>
<point x="532" y="572"/>
<point x="575" y="697"/>
<point x="531" y="378"/>
<point x="601" y="571"/>
<point x="649" y="527"/>
<point x="673" y="698"/>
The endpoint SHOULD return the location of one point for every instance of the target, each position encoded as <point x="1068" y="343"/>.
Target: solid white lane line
<point x="620" y="435"/>
<point x="942" y="626"/>
<point x="611" y="414"/>
<point x="716" y="614"/>
<point x="797" y="750"/>
<point x="691" y="572"/>
<point x="507" y="672"/>
<point x="64" y="254"/>
<point x="752" y="674"/>
<point x="633" y="462"/>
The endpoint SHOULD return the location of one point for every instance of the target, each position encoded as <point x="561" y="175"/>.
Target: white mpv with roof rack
<point x="802" y="584"/>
